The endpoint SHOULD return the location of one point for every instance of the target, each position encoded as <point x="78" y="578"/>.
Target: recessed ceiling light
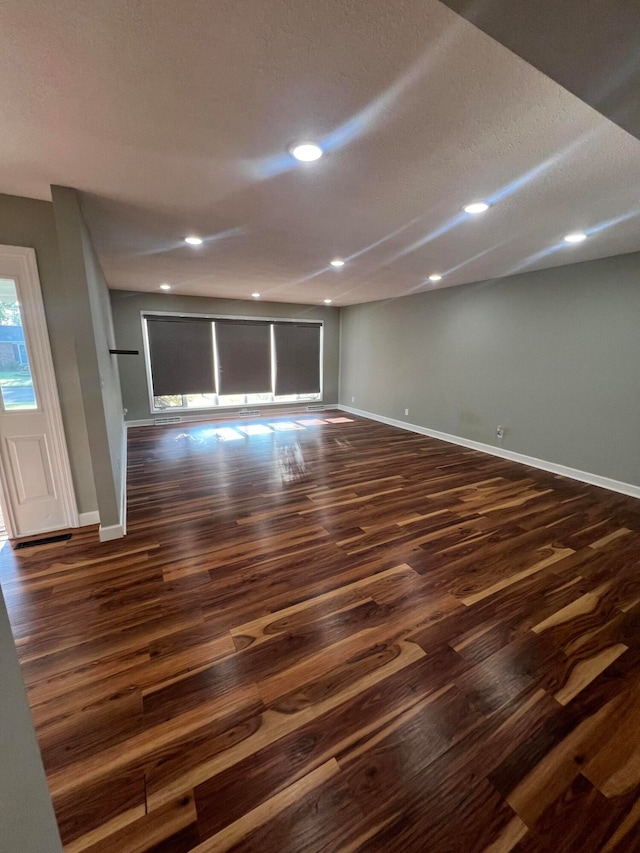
<point x="256" y="295"/>
<point x="435" y="277"/>
<point x="306" y="152"/>
<point x="575" y="237"/>
<point x="337" y="262"/>
<point x="192" y="240"/>
<point x="327" y="302"/>
<point x="476" y="207"/>
<point x="165" y="287"/>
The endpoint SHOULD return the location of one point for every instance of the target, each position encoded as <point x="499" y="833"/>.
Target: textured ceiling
<point x="588" y="46"/>
<point x="174" y="118"/>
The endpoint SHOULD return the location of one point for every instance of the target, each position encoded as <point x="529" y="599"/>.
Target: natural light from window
<point x="285" y="355"/>
<point x="16" y="382"/>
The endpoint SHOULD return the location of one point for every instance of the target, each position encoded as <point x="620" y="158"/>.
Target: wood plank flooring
<point x="339" y="637"/>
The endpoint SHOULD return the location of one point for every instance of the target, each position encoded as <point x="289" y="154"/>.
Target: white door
<point x="37" y="493"/>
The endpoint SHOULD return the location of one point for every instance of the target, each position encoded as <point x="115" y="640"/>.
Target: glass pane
<point x="201" y="401"/>
<point x="16" y="382"/>
<point x="231" y="400"/>
<point x="167" y="402"/>
<point x="259" y="398"/>
<point x="296" y="398"/>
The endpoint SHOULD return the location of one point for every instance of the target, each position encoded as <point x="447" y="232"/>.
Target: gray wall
<point x="552" y="355"/>
<point x="127" y="306"/>
<point x="87" y="292"/>
<point x="108" y="367"/>
<point x="29" y="222"/>
<point x="27" y="822"/>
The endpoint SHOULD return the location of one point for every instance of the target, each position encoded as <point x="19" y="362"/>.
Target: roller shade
<point x="244" y="357"/>
<point x="297" y="355"/>
<point x="181" y="354"/>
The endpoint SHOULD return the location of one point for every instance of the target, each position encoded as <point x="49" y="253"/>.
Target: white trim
<point x="562" y="470"/>
<point x="152" y="422"/>
<point x="123" y="485"/>
<point x="87" y="518"/>
<point x="221" y="415"/>
<point x="19" y="263"/>
<point x="147" y="360"/>
<point x="5" y="504"/>
<point x="117" y="531"/>
<point x="113" y="531"/>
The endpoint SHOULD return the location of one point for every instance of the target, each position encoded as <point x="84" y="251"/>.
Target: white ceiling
<point x="174" y="118"/>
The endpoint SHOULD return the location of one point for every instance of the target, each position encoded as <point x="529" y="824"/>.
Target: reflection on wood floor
<point x="341" y="637"/>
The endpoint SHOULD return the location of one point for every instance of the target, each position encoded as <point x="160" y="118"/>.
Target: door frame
<point x="19" y="263"/>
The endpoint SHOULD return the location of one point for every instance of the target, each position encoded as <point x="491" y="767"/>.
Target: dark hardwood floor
<point x="341" y="637"/>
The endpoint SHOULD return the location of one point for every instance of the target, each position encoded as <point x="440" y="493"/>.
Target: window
<point x="297" y="357"/>
<point x="16" y="382"/>
<point x="196" y="362"/>
<point x="244" y="358"/>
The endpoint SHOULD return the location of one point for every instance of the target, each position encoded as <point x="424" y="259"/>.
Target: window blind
<point x="181" y="355"/>
<point x="244" y="357"/>
<point x="297" y="357"/>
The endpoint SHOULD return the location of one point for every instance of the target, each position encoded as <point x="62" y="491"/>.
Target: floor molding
<point x="123" y="481"/>
<point x="112" y="531"/>
<point x="117" y="531"/>
<point x="87" y="518"/>
<point x="572" y="473"/>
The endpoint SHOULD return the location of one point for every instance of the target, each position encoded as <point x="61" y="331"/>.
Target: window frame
<point x="153" y="410"/>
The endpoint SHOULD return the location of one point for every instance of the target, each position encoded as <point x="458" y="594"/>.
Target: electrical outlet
<point x="406" y="411"/>
<point x="353" y="399"/>
<point x="500" y="432"/>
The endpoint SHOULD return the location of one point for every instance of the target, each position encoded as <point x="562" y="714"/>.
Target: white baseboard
<point x="117" y="531"/>
<point x="87" y="518"/>
<point x="113" y="531"/>
<point x="552" y="467"/>
<point x="123" y="484"/>
<point x="140" y="422"/>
